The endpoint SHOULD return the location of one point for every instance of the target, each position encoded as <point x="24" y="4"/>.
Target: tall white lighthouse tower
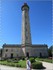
<point x="26" y="34"/>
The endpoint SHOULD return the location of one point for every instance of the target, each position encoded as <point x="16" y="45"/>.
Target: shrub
<point x="17" y="65"/>
<point x="9" y="60"/>
<point x="12" y="60"/>
<point x="37" y="65"/>
<point x="32" y="60"/>
<point x="23" y="57"/>
<point x="12" y="64"/>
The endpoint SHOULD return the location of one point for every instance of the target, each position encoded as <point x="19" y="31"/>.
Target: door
<point x="11" y="55"/>
<point x="27" y="54"/>
<point x="40" y="54"/>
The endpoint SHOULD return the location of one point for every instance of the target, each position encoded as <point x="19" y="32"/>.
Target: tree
<point x="0" y="52"/>
<point x="50" y="51"/>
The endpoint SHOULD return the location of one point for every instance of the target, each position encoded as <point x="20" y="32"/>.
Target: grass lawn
<point x="16" y="64"/>
<point x="3" y="62"/>
<point x="44" y="59"/>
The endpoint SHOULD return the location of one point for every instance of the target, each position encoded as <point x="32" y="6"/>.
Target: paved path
<point x="3" y="67"/>
<point x="49" y="66"/>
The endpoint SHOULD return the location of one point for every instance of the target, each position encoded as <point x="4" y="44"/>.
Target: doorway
<point x="27" y="54"/>
<point x="11" y="55"/>
<point x="40" y="54"/>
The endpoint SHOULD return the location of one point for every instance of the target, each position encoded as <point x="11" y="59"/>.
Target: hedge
<point x="37" y="65"/>
<point x="32" y="60"/>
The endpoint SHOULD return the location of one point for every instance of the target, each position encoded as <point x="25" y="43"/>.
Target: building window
<point x="6" y="50"/>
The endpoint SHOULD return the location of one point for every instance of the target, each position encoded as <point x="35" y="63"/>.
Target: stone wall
<point x="18" y="51"/>
<point x="40" y="51"/>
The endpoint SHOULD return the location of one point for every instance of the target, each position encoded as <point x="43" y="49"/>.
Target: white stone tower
<point x="26" y="34"/>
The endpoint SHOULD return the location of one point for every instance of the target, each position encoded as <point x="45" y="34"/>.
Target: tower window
<point x="25" y="16"/>
<point x="26" y="37"/>
<point x="26" y="29"/>
<point x="25" y="23"/>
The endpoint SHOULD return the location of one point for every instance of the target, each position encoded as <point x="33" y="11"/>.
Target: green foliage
<point x="20" y="63"/>
<point x="37" y="65"/>
<point x="50" y="51"/>
<point x="32" y="60"/>
<point x="10" y="64"/>
<point x="23" y="57"/>
<point x="12" y="60"/>
<point x="17" y="65"/>
<point x="44" y="59"/>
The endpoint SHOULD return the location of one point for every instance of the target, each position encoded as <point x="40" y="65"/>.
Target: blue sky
<point x="40" y="22"/>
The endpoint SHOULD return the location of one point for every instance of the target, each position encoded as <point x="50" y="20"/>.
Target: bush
<point x="23" y="57"/>
<point x="37" y="65"/>
<point x="17" y="65"/>
<point x="9" y="60"/>
<point x="32" y="60"/>
<point x="11" y="64"/>
<point x="12" y="60"/>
